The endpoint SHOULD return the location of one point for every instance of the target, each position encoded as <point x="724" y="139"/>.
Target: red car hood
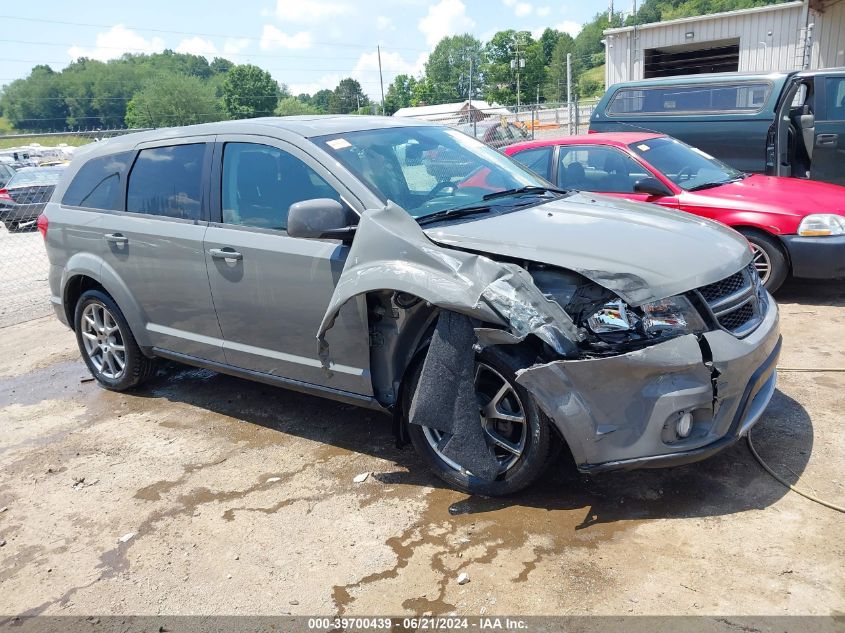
<point x="790" y="198"/>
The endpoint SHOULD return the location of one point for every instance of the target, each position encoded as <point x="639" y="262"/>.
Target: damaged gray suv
<point x="410" y="269"/>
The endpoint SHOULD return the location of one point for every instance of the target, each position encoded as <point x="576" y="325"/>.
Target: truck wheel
<point x="513" y="426"/>
<point x="106" y="343"/>
<point x="769" y="259"/>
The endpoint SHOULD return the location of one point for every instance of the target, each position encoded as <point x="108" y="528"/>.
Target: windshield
<point x="35" y="177"/>
<point x="427" y="170"/>
<point x="687" y="167"/>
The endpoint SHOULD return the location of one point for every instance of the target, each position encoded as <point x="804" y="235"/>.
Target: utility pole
<point x="472" y="116"/>
<point x="610" y="12"/>
<point x="380" y="79"/>
<point x="517" y="63"/>
<point x="569" y="89"/>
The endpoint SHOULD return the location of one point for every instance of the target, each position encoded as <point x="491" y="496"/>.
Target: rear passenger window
<point x="97" y="185"/>
<point x="692" y="99"/>
<point x="167" y="181"/>
<point x="538" y="160"/>
<point x="835" y="87"/>
<point x="260" y="183"/>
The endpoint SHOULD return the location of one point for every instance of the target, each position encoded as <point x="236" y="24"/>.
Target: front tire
<point x="514" y="426"/>
<point x="769" y="259"/>
<point x="107" y="344"/>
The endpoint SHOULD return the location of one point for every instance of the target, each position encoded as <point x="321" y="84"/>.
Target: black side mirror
<point x="651" y="187"/>
<point x="321" y="218"/>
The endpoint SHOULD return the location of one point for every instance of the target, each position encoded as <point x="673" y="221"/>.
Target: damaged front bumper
<point x="622" y="412"/>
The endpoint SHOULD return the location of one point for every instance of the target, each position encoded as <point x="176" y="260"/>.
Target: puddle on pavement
<point x="462" y="532"/>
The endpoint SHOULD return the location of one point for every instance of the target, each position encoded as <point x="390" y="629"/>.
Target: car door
<point x="153" y="247"/>
<point x="271" y="290"/>
<point x="606" y="170"/>
<point x="828" y="160"/>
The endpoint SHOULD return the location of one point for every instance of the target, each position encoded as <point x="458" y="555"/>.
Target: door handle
<point x="827" y="140"/>
<point x="225" y="253"/>
<point x="115" y="238"/>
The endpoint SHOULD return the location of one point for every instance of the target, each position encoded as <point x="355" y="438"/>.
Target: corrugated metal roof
<point x="711" y="16"/>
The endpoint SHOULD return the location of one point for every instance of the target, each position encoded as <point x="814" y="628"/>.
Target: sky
<point x="306" y="44"/>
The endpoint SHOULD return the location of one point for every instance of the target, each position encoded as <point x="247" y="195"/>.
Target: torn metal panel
<point x="615" y="408"/>
<point x="391" y="252"/>
<point x="445" y="397"/>
<point x="641" y="252"/>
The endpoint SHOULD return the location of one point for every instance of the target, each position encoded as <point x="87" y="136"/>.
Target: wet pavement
<point x="202" y="493"/>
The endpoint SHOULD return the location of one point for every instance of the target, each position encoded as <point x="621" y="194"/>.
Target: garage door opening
<point x="692" y="59"/>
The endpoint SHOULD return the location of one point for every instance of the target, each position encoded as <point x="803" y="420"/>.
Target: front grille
<point x="737" y="303"/>
<point x="728" y="286"/>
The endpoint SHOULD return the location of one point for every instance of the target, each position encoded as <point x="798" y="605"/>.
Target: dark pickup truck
<point x="780" y="124"/>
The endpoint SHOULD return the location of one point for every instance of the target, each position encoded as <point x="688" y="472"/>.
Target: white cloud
<point x="543" y="11"/>
<point x="309" y="10"/>
<point x="115" y="42"/>
<point x="273" y="38"/>
<point x="568" y="26"/>
<point x="447" y="17"/>
<point x="324" y="82"/>
<point x="366" y="70"/>
<point x="197" y="46"/>
<point x="235" y="45"/>
<point x="522" y="9"/>
<point x="383" y="23"/>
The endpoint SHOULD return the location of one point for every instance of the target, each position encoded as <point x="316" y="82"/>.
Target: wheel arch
<point x="84" y="275"/>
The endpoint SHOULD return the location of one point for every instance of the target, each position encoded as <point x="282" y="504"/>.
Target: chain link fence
<point x="30" y="166"/>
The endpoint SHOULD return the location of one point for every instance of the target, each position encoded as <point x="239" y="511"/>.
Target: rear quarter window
<point x="690" y="99"/>
<point x="537" y="159"/>
<point x="98" y="183"/>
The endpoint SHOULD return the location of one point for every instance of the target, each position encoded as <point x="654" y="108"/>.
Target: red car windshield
<point x="688" y="167"/>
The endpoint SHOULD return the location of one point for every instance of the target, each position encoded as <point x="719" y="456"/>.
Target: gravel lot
<point x="237" y="498"/>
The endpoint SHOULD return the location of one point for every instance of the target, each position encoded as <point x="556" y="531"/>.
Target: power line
<point x="189" y="33"/>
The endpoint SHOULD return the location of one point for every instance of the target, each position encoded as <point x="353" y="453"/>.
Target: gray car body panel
<point x="641" y="252"/>
<point x="611" y="410"/>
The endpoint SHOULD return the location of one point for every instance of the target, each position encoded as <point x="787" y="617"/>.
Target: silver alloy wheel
<point x="502" y="416"/>
<point x="103" y="341"/>
<point x="761" y="262"/>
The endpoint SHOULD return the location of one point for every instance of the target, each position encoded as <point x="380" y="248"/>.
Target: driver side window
<point x="598" y="169"/>
<point x="261" y="182"/>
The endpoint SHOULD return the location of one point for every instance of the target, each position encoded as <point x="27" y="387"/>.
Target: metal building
<point x="787" y="36"/>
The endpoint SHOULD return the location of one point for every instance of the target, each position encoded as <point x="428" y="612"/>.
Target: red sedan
<point x="795" y="227"/>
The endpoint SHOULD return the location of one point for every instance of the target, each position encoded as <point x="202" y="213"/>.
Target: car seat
<point x="575" y="176"/>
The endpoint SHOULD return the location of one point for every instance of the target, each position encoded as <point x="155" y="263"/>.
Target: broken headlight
<point x="666" y="318"/>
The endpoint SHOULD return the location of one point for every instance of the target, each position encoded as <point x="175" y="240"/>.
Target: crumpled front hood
<point x="640" y="251"/>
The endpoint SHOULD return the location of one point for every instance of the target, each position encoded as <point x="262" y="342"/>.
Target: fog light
<point x="684" y="426"/>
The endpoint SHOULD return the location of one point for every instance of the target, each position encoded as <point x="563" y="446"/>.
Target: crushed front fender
<point x="391" y="252"/>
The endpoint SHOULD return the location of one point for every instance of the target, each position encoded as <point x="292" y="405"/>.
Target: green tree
<point x="250" y="92"/>
<point x="548" y="40"/>
<point x="447" y="70"/>
<point x="290" y="106"/>
<point x="400" y="93"/>
<point x="321" y="100"/>
<point x="35" y="103"/>
<point x="347" y="97"/>
<point x="173" y="100"/>
<point x="510" y="55"/>
<point x="555" y="89"/>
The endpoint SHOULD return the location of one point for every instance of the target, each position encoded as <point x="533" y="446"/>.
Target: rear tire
<point x="536" y="441"/>
<point x="769" y="259"/>
<point x="107" y="344"/>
